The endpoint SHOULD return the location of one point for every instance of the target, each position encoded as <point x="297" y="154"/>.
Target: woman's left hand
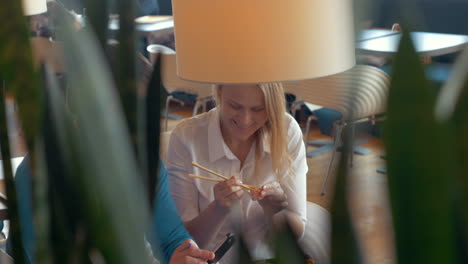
<point x="271" y="197"/>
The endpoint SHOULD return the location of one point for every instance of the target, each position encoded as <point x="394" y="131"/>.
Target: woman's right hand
<point x="228" y="191"/>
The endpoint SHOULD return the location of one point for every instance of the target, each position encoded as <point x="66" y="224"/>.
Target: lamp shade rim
<point x="337" y="71"/>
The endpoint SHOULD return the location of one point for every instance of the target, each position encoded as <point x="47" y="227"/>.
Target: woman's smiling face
<point x="242" y="111"/>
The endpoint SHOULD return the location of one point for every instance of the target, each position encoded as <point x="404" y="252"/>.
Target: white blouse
<point x="199" y="139"/>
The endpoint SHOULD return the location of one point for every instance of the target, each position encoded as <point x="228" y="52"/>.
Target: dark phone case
<point x="227" y="244"/>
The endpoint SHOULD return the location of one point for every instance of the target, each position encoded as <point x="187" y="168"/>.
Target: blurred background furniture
<point x="358" y="94"/>
<point x="438" y="50"/>
<point x="426" y="44"/>
<point x="160" y="24"/>
<point x="447" y="16"/>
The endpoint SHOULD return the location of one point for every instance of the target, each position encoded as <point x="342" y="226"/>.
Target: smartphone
<point x="227" y="244"/>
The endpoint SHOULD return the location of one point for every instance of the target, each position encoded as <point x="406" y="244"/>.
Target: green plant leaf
<point x="13" y="210"/>
<point x="63" y="171"/>
<point x="97" y="18"/>
<point x="150" y="129"/>
<point x="63" y="192"/>
<point x="17" y="70"/>
<point x="126" y="69"/>
<point x="420" y="165"/>
<point x="98" y="154"/>
<point x="243" y="253"/>
<point x="287" y="251"/>
<point x="460" y="120"/>
<point x="344" y="247"/>
<point x="18" y="75"/>
<point x="43" y="254"/>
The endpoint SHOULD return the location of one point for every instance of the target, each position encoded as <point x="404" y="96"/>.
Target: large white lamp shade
<point x="34" y="7"/>
<point x="255" y="41"/>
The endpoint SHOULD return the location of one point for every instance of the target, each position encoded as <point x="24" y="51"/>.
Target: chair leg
<point x="168" y="99"/>
<point x="338" y="127"/>
<point x="195" y="107"/>
<point x="351" y="155"/>
<point x="307" y="133"/>
<point x="201" y="103"/>
<point x="204" y="107"/>
<point x="295" y="106"/>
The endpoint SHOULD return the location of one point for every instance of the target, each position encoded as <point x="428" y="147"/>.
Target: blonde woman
<point x="250" y="138"/>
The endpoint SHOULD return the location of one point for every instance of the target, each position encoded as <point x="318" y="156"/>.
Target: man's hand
<point x="189" y="253"/>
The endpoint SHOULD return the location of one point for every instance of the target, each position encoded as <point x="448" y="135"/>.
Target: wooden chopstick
<point x="208" y="170"/>
<point x="204" y="178"/>
<point x="248" y="187"/>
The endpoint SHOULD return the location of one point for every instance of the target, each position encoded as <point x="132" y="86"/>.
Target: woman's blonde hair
<point x="275" y="129"/>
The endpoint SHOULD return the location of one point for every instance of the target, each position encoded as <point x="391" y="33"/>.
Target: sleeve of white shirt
<point x="183" y="189"/>
<point x="295" y="184"/>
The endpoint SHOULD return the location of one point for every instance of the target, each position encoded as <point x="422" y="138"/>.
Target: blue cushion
<point x="325" y="119"/>
<point x="438" y="72"/>
<point x="185" y="97"/>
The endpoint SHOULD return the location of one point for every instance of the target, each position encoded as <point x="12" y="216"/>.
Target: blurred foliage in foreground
<point x="94" y="158"/>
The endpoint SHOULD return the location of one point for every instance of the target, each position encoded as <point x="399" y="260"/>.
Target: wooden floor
<point x="368" y="193"/>
<point x="368" y="198"/>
